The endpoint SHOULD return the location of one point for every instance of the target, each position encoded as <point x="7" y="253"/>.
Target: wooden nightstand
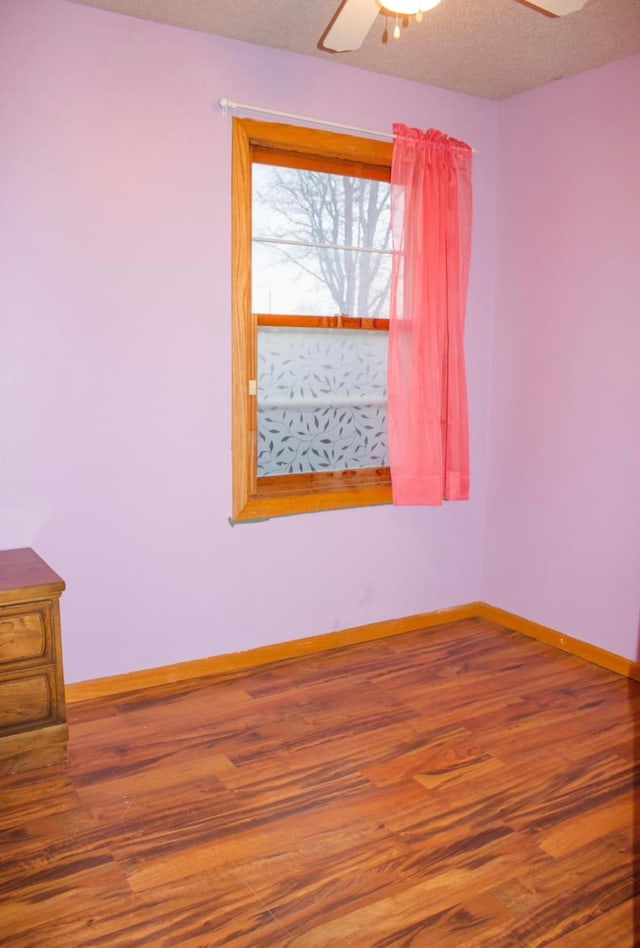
<point x="33" y="729"/>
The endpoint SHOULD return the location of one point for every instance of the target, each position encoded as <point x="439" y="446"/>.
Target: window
<point x="311" y="281"/>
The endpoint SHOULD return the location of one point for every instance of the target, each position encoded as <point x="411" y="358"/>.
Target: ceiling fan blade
<point x="556" y="7"/>
<point x="350" y="25"/>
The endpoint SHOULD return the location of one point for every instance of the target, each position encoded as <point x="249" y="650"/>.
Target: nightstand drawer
<point x="27" y="700"/>
<point x="33" y="730"/>
<point x="25" y="633"/>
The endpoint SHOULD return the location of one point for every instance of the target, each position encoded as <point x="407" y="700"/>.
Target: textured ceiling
<point x="488" y="48"/>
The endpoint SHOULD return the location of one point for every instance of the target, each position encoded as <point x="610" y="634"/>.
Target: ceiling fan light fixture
<point x="353" y="19"/>
<point x="408" y="7"/>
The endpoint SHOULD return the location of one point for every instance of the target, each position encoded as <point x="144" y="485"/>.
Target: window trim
<point x="254" y="497"/>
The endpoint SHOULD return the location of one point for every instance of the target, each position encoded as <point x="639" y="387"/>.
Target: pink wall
<point x="563" y="514"/>
<point x="115" y="352"/>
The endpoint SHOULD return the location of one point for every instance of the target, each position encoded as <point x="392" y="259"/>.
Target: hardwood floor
<point x="461" y="786"/>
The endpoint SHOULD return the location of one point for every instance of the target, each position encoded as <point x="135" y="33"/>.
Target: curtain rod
<point x="228" y="104"/>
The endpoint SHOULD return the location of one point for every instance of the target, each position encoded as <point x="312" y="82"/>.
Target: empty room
<point x="320" y="477"/>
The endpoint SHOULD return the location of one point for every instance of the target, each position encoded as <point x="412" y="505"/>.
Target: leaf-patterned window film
<point x="322" y="400"/>
<point x="312" y="273"/>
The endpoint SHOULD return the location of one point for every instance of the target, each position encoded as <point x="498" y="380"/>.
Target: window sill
<point x="286" y="495"/>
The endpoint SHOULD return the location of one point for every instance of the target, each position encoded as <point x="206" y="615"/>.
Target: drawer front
<point x="25" y="633"/>
<point x="26" y="701"/>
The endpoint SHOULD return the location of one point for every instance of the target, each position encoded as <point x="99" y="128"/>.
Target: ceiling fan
<point x="354" y="18"/>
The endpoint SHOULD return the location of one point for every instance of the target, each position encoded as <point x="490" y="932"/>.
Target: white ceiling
<point x="488" y="48"/>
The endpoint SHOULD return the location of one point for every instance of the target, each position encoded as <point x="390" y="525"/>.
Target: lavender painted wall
<point x="563" y="514"/>
<point x="115" y="348"/>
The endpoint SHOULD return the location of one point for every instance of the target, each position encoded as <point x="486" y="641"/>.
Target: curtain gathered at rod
<point x="431" y="213"/>
<point x="226" y="104"/>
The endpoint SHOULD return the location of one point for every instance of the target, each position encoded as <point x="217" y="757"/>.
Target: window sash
<point x="321" y="244"/>
<point x="277" y="495"/>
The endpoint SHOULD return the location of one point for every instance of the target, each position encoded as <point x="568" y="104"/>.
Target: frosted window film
<point x="322" y="400"/>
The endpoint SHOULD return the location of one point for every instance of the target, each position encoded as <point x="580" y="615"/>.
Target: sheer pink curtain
<point x="431" y="219"/>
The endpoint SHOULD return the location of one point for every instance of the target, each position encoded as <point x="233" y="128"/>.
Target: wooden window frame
<point x="262" y="497"/>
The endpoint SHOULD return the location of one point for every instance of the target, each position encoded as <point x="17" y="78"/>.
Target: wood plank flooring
<point x="461" y="786"/>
